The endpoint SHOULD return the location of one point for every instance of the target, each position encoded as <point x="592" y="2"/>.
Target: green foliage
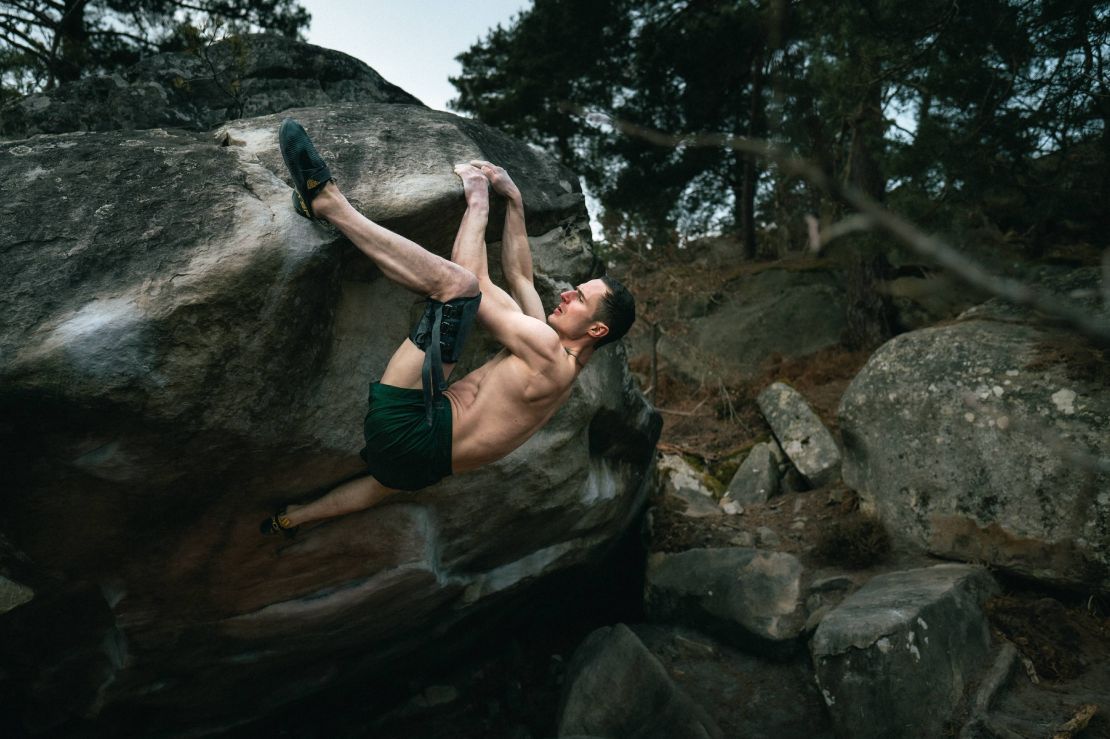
<point x="964" y="116"/>
<point x="855" y="541"/>
<point x="44" y="44"/>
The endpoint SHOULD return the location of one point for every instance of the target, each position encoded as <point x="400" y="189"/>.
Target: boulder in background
<point x="969" y="441"/>
<point x="895" y="658"/>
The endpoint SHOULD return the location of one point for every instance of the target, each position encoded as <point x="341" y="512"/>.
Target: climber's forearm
<point x="516" y="260"/>
<point x="469" y="250"/>
<point x="516" y="252"/>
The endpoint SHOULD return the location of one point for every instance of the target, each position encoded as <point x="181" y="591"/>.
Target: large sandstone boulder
<point x="239" y="77"/>
<point x="894" y="659"/>
<point x="180" y="353"/>
<point x="980" y="441"/>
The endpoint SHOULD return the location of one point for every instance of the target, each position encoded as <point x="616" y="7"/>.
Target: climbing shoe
<point x="306" y="167"/>
<point x="278" y="523"/>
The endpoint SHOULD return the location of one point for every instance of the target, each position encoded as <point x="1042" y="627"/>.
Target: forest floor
<point x="1062" y="637"/>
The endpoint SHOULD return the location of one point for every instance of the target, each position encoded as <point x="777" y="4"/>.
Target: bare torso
<point x="498" y="406"/>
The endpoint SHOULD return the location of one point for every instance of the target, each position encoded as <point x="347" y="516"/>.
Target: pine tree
<point x="44" y="43"/>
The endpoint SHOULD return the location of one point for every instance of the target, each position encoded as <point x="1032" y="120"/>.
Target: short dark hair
<point x="617" y="311"/>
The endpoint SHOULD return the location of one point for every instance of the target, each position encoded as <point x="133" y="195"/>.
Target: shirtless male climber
<point x="417" y="429"/>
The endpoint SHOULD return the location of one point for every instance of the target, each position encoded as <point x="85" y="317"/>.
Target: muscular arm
<point x="516" y="260"/>
<point x="529" y="337"/>
<point x="469" y="251"/>
<point x="516" y="252"/>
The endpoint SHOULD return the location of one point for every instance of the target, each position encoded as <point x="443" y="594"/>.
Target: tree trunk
<point x="71" y="45"/>
<point x="867" y="129"/>
<point x="750" y="169"/>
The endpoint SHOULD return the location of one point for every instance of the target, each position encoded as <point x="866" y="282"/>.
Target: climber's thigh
<point x="405" y="366"/>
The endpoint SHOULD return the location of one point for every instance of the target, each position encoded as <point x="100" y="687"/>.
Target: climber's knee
<point x="456" y="282"/>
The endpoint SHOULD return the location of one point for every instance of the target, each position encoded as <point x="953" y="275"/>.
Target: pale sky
<point x="412" y="43"/>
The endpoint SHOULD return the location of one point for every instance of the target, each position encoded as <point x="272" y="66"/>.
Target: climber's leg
<point x="353" y="495"/>
<point x="406" y="365"/>
<point x="401" y="260"/>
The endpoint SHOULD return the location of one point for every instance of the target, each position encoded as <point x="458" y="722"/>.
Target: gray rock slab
<point x="615" y="687"/>
<point x="746" y="694"/>
<point x="767" y="537"/>
<point x="783" y="311"/>
<point x="679" y="481"/>
<point x="895" y="658"/>
<point x="757" y="478"/>
<point x="749" y="597"/>
<point x="696" y="504"/>
<point x="13" y="594"/>
<point x="800" y="433"/>
<point x="969" y="441"/>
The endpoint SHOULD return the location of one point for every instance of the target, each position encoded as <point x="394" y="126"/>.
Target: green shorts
<point x="402" y="451"/>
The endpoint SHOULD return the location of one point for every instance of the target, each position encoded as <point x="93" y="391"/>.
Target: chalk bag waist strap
<point x="441" y="333"/>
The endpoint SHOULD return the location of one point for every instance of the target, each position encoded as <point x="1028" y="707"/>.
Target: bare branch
<point x="33" y="52"/>
<point x="34" y="11"/>
<point x="20" y="19"/>
<point x="32" y="7"/>
<point x="1015" y="291"/>
<point x="123" y="34"/>
<point x="34" y="43"/>
<point x="819" y="239"/>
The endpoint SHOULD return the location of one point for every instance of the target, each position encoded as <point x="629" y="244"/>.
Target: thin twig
<point x="683" y="413"/>
<point x="849" y="224"/>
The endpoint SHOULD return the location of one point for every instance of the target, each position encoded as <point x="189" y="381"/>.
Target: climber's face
<point x="573" y="317"/>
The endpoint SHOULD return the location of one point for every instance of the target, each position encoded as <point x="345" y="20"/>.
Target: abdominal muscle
<point x="497" y="407"/>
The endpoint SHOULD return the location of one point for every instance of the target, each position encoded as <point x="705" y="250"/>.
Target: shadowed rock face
<point x="616" y="687"/>
<point x="180" y="353"/>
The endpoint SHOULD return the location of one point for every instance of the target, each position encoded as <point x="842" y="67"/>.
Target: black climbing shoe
<point x="306" y="167"/>
<point x="278" y="524"/>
